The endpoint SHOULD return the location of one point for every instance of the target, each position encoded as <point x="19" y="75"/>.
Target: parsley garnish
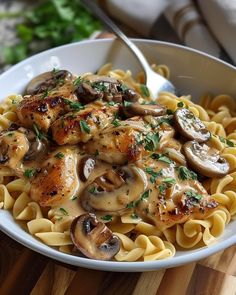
<point x="193" y="194"/>
<point x="185" y="173"/>
<point x="169" y="112"/>
<point x="227" y="141"/>
<point x="10" y="134"/>
<point x="127" y="103"/>
<point x="154" y="175"/>
<point x="77" y="81"/>
<point x="115" y="122"/>
<point x="151" y="141"/>
<point x="45" y="94"/>
<point x="169" y="181"/>
<point x="93" y="190"/>
<point x="161" y="157"/>
<point x="29" y="173"/>
<point x="84" y="126"/>
<point x="64" y="212"/>
<point x="74" y="105"/>
<point x="99" y="86"/>
<point x="59" y="155"/>
<point x="96" y="153"/>
<point x="107" y="217"/>
<point x="134" y="216"/>
<point x="144" y="90"/>
<point x="180" y="104"/>
<point x="37" y="132"/>
<point x="145" y="195"/>
<point x="74" y="198"/>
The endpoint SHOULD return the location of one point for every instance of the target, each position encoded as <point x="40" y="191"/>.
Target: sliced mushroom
<point x="47" y="81"/>
<point x="106" y="88"/>
<point x="36" y="146"/>
<point x="94" y="239"/>
<point x="137" y="109"/>
<point x="205" y="160"/>
<point x="115" y="189"/>
<point x="86" y="167"/>
<point x="190" y="126"/>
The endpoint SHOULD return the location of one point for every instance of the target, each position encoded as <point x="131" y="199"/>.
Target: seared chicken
<point x="44" y="108"/>
<point x="57" y="179"/>
<point x="13" y="147"/>
<point x="117" y="146"/>
<point x="81" y="126"/>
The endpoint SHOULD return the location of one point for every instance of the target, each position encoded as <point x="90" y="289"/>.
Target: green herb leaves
<point x="193" y="194"/>
<point x="84" y="126"/>
<point x="154" y="175"/>
<point x="59" y="155"/>
<point x="107" y="218"/>
<point x="74" y="105"/>
<point x="162" y="158"/>
<point x="30" y="173"/>
<point x="226" y="141"/>
<point x="144" y="90"/>
<point x="151" y="141"/>
<point x="186" y="174"/>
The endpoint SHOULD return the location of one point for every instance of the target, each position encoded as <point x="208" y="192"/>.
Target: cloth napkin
<point x="207" y="25"/>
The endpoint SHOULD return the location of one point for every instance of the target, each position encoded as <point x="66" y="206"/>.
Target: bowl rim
<point x="41" y="248"/>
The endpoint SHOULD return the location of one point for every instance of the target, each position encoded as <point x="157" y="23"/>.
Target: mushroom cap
<point x="137" y="109"/>
<point x="205" y="160"/>
<point x="47" y="80"/>
<point x="86" y="166"/>
<point x="94" y="239"/>
<point x="115" y="189"/>
<point x="190" y="126"/>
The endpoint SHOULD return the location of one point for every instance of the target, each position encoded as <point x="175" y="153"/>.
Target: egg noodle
<point x="140" y="239"/>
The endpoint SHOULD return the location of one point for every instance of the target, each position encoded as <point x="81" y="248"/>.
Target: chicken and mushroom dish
<point x="111" y="173"/>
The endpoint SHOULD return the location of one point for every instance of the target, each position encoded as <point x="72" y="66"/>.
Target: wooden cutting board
<point x="23" y="271"/>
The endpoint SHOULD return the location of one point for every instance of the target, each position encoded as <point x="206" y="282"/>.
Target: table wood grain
<point x="23" y="271"/>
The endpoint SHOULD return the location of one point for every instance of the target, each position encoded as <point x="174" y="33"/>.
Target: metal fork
<point x="155" y="82"/>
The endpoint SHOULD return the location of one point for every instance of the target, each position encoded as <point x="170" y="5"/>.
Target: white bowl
<point x="192" y="72"/>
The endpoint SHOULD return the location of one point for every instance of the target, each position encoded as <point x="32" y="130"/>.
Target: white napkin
<point x="209" y="30"/>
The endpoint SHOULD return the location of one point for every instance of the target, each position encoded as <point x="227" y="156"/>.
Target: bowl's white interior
<point x="191" y="72"/>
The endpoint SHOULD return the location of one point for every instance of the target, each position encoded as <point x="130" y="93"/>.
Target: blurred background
<point x="27" y="28"/>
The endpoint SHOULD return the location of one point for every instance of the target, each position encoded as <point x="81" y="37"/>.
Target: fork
<point x="154" y="82"/>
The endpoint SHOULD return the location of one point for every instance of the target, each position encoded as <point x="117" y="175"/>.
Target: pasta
<point x="155" y="203"/>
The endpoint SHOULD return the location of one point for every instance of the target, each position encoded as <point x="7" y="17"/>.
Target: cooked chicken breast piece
<point x="75" y="127"/>
<point x="58" y="179"/>
<point x="13" y="147"/>
<point x="116" y="146"/>
<point x="44" y="108"/>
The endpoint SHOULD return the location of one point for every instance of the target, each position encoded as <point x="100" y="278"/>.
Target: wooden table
<point x="23" y="271"/>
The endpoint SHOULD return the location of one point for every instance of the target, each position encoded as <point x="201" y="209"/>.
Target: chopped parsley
<point x="115" y="122"/>
<point x="74" y="105"/>
<point x="64" y="212"/>
<point x="111" y="103"/>
<point x="45" y="93"/>
<point x="84" y="126"/>
<point x="185" y="173"/>
<point x="227" y="141"/>
<point x="162" y="158"/>
<point x="169" y="112"/>
<point x="180" y="104"/>
<point x="127" y="103"/>
<point x="59" y="155"/>
<point x="37" y="132"/>
<point x="54" y="71"/>
<point x="131" y="205"/>
<point x="77" y="81"/>
<point x="169" y="181"/>
<point x="144" y="90"/>
<point x="134" y="216"/>
<point x="10" y="134"/>
<point x="154" y="175"/>
<point x="99" y="86"/>
<point x="151" y="141"/>
<point x="107" y="217"/>
<point x="93" y="190"/>
<point x="29" y="173"/>
<point x="194" y="195"/>
<point x="166" y="120"/>
<point x="96" y="153"/>
<point x="74" y="198"/>
<point x="145" y="195"/>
